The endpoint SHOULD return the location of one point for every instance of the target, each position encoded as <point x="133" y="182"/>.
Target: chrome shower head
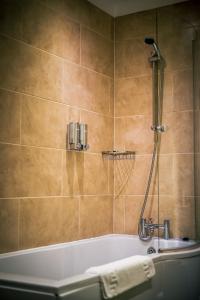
<point x="150" y="41"/>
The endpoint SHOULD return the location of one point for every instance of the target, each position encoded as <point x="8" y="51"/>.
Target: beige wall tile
<point x="167" y="96"/>
<point x="39" y="222"/>
<point x="112" y="95"/>
<point x="73" y="173"/>
<point x="131" y="58"/>
<point x="85" y="13"/>
<point x="27" y="171"/>
<point x="183" y="90"/>
<point x="87" y="89"/>
<point x="123" y="170"/>
<point x="132" y="211"/>
<point x="110" y="177"/>
<point x="43" y="123"/>
<point x="120" y="129"/>
<point x="184" y="175"/>
<point x="74" y="114"/>
<point x="9" y="225"/>
<point x="131" y="176"/>
<point x="11" y="18"/>
<point x="167" y="183"/>
<point x="9" y="117"/>
<point x="178" y="137"/>
<point x="95" y="175"/>
<point x="167" y="211"/>
<point x="177" y="56"/>
<point x="185" y="220"/>
<point x="96" y="19"/>
<point x="100" y="131"/>
<point x="118" y="215"/>
<point x="176" y="175"/>
<point x="133" y="96"/>
<point x="96" y="52"/>
<point x="197" y="211"/>
<point x="178" y="16"/>
<point x="91" y="222"/>
<point x="85" y="174"/>
<point x="45" y="29"/>
<point x="28" y="70"/>
<point x="197" y="174"/>
<point x="134" y="133"/>
<point x="138" y="135"/>
<point x="136" y="24"/>
<point x="70" y="219"/>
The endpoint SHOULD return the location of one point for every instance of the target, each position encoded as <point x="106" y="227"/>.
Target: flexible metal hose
<point x="148" y="188"/>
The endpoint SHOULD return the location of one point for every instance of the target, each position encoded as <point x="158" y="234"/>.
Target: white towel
<point x="119" y="276"/>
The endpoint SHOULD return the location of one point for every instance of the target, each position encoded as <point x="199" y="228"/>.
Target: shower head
<point x="150" y="41"/>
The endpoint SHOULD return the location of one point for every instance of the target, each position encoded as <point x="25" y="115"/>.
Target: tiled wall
<point x="172" y="26"/>
<point x="56" y="62"/>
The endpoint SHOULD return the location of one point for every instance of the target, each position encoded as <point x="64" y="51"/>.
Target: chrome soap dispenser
<point x="77" y="136"/>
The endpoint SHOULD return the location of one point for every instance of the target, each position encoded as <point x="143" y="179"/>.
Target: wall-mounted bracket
<point x="118" y="155"/>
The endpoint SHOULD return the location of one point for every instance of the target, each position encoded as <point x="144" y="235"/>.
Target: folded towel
<point x="119" y="276"/>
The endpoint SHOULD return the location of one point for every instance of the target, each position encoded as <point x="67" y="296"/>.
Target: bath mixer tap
<point x="147" y="228"/>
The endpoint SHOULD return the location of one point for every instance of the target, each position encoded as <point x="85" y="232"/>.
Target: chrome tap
<point x="147" y="228"/>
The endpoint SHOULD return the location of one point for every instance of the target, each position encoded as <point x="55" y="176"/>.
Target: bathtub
<point x="58" y="271"/>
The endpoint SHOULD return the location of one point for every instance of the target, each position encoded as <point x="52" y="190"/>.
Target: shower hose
<point x="147" y="238"/>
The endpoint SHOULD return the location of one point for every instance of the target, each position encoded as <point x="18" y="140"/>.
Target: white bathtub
<point x="58" y="271"/>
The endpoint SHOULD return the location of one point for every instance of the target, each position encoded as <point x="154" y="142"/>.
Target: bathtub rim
<point x="84" y="241"/>
<point x="77" y="281"/>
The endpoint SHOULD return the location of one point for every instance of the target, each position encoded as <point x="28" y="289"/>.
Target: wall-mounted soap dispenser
<point x="77" y="136"/>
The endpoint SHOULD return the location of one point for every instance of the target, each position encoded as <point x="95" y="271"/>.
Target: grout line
<point x="50" y="148"/>
<point x="58" y="196"/>
<point x="78" y="22"/>
<point x="171" y="72"/>
<point x="133" y="77"/>
<point x="96" y="32"/>
<point x="133" y="38"/>
<point x="57" y="102"/>
<point x="32" y="95"/>
<point x="92" y="153"/>
<point x="54" y="55"/>
<point x="32" y="146"/>
<point x="154" y="33"/>
<point x="149" y="114"/>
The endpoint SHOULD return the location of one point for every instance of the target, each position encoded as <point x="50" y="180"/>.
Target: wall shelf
<point x="118" y="155"/>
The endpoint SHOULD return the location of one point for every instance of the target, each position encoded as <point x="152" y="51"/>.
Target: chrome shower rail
<point x="145" y="229"/>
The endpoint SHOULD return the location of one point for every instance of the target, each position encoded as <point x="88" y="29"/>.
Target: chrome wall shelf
<point x="118" y="155"/>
